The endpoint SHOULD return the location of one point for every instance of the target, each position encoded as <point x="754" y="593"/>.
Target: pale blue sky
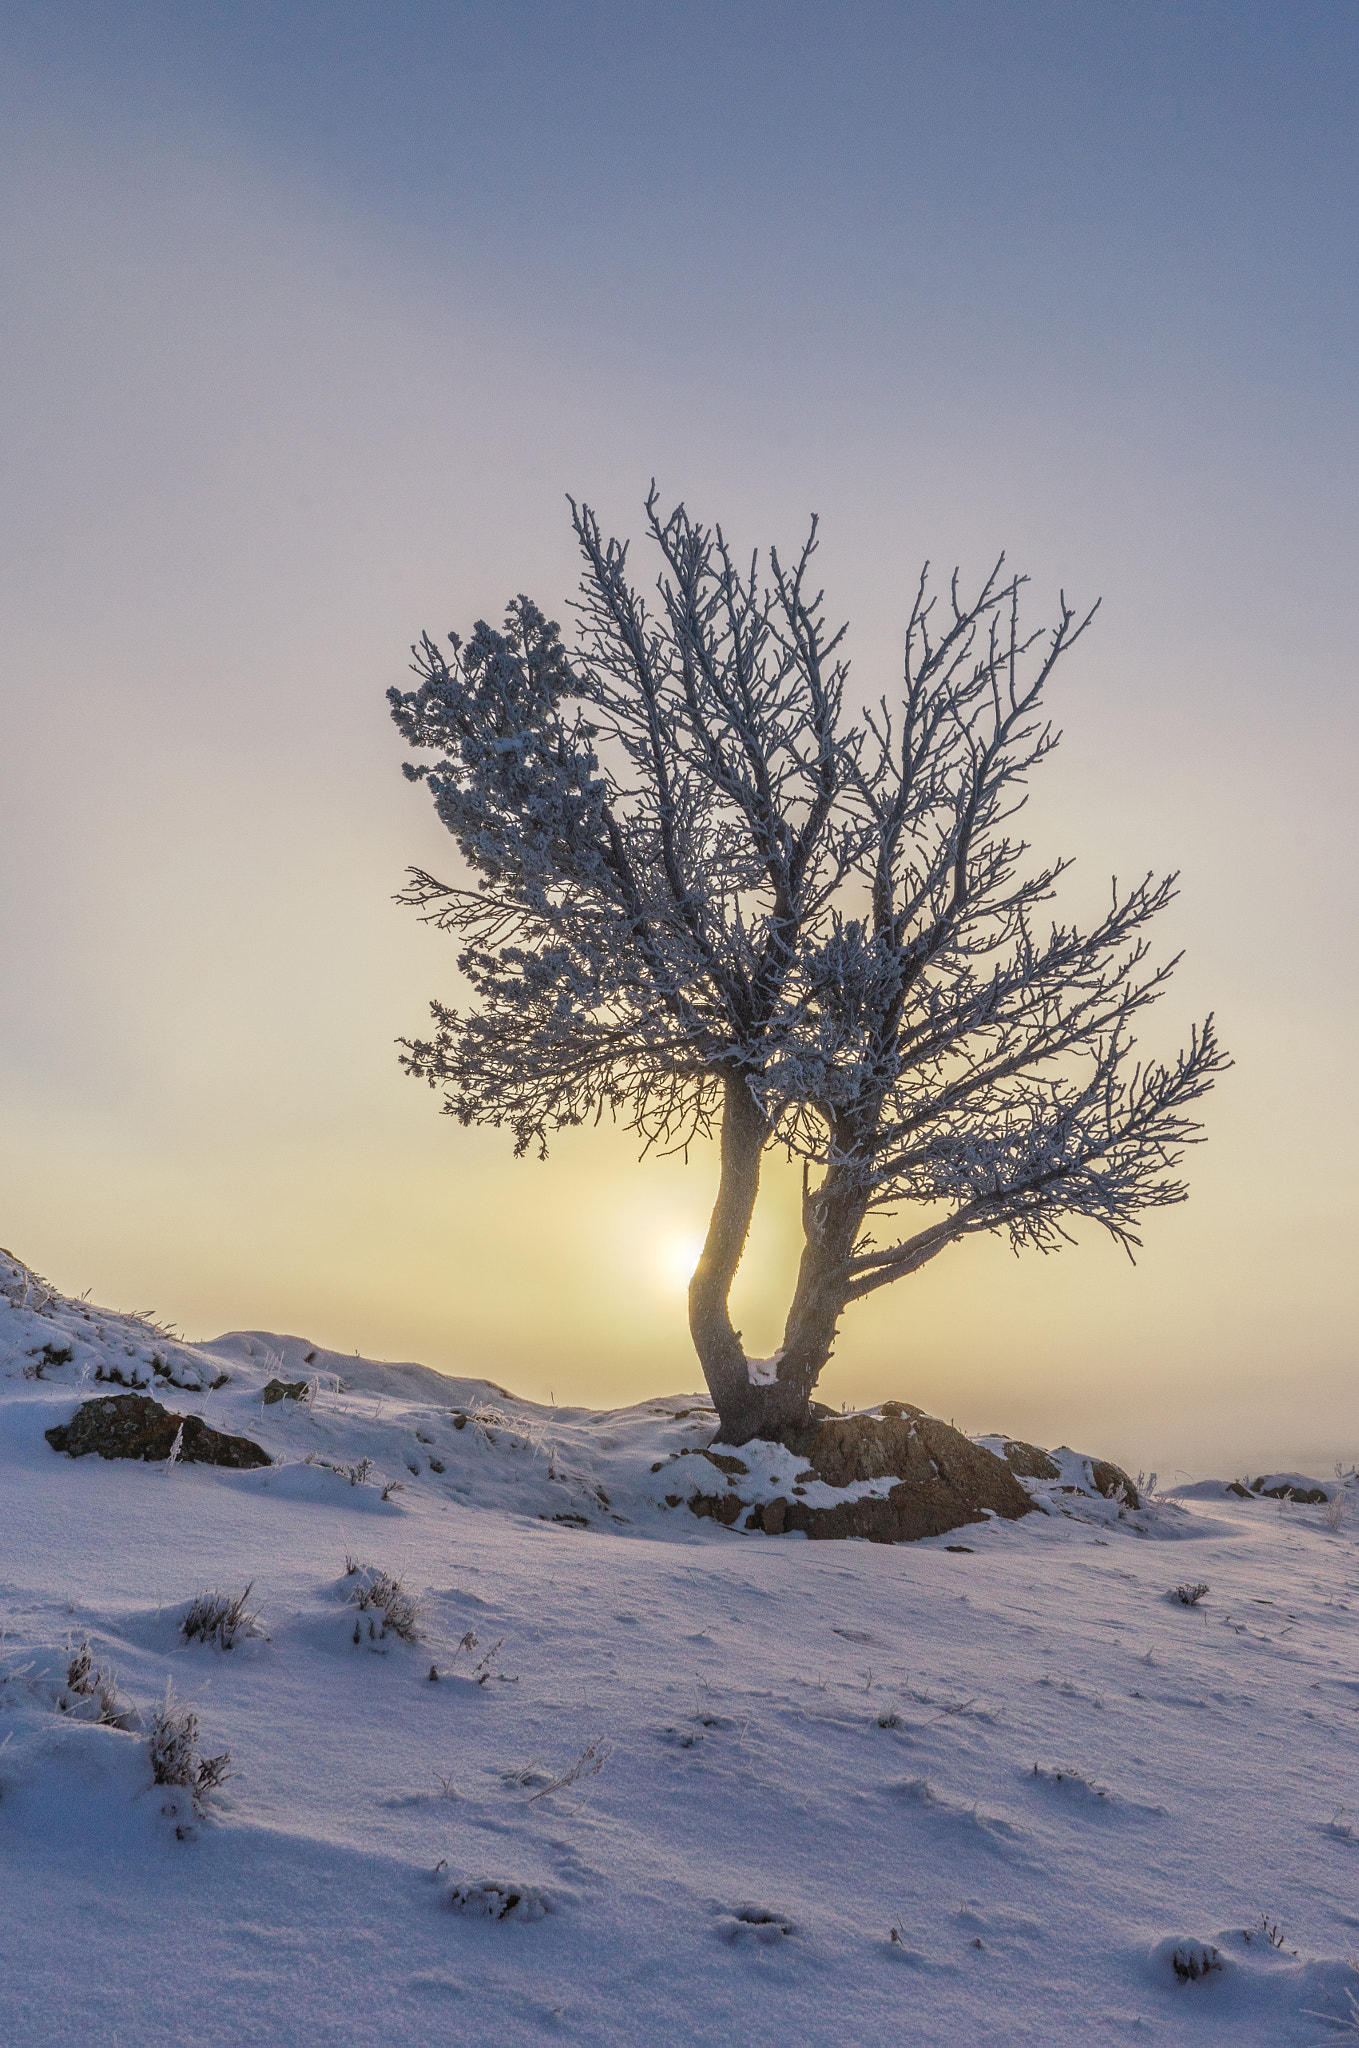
<point x="1159" y="196"/>
<point x="311" y="315"/>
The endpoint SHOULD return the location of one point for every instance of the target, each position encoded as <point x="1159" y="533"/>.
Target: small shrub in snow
<point x="356" y="1474"/>
<point x="87" y="1680"/>
<point x="486" y="1420"/>
<point x="215" y="1618"/>
<point x="1268" y="1930"/>
<point x="1190" y="1596"/>
<point x="176" y="1758"/>
<point x="1333" y="1514"/>
<point x="489" y="1899"/>
<point x="80" y="1669"/>
<point x="378" y="1592"/>
<point x="477" y="1667"/>
<point x="1194" y="1960"/>
<point x="588" y="1764"/>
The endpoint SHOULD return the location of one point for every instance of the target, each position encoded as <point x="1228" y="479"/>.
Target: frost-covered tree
<point x="703" y="898"/>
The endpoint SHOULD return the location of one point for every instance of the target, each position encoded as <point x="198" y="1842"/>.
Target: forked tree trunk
<point x="769" y="1406"/>
<point x="831" y="1221"/>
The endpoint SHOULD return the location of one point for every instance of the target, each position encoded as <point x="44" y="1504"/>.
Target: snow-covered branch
<point x="699" y="894"/>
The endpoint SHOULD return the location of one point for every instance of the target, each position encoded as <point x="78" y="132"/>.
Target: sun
<point x="676" y="1256"/>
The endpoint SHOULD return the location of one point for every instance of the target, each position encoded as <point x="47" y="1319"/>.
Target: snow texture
<point x="632" y="1775"/>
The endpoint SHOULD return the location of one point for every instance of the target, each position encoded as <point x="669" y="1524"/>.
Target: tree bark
<point x="740" y="1407"/>
<point x="831" y="1221"/>
<point x="768" y="1408"/>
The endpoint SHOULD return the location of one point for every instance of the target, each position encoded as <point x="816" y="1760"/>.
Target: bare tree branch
<point x="700" y="897"/>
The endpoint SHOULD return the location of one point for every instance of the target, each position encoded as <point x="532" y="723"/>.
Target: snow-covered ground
<point x="826" y="1793"/>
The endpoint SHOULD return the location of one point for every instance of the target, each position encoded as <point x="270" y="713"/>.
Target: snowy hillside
<point x="520" y="1750"/>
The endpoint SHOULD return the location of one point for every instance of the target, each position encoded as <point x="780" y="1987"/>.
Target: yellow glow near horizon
<point x="226" y="538"/>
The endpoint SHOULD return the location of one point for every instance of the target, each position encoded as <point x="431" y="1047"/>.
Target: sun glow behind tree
<point x="275" y="390"/>
<point x="700" y="897"/>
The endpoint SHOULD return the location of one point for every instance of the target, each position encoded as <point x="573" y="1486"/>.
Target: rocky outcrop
<point x="943" y="1481"/>
<point x="715" y="1507"/>
<point x="1113" y="1482"/>
<point x="135" y="1426"/>
<point x="284" y="1390"/>
<point x="1275" y="1487"/>
<point x="1026" y="1461"/>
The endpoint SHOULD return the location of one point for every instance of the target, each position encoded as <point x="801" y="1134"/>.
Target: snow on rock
<point x="701" y="1786"/>
<point x="1292" y="1486"/>
<point x="371" y="1433"/>
<point x="926" y="1477"/>
<point x="136" y="1426"/>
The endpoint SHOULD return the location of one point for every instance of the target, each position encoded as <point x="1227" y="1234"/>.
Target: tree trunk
<point x="768" y="1407"/>
<point x="831" y="1221"/>
<point x="740" y="1406"/>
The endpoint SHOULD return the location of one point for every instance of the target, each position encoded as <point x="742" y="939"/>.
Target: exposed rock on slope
<point x="326" y="1426"/>
<point x="1295" y="1486"/>
<point x="1113" y="1482"/>
<point x="1027" y="1461"/>
<point x="1072" y="1471"/>
<point x="942" y="1481"/>
<point x="284" y="1390"/>
<point x="134" y="1426"/>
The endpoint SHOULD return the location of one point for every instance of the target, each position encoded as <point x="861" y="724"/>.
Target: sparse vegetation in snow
<point x="381" y="1594"/>
<point x="176" y="1759"/>
<point x="495" y="1899"/>
<point x="864" y="1719"/>
<point x="220" y="1618"/>
<point x="99" y="1683"/>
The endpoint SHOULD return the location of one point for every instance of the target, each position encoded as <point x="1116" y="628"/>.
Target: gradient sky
<point x="311" y="316"/>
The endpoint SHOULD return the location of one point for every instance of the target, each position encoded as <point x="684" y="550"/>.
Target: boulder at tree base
<point x="944" y="1481"/>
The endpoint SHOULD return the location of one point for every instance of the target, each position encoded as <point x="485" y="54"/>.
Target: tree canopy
<point x="700" y="896"/>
